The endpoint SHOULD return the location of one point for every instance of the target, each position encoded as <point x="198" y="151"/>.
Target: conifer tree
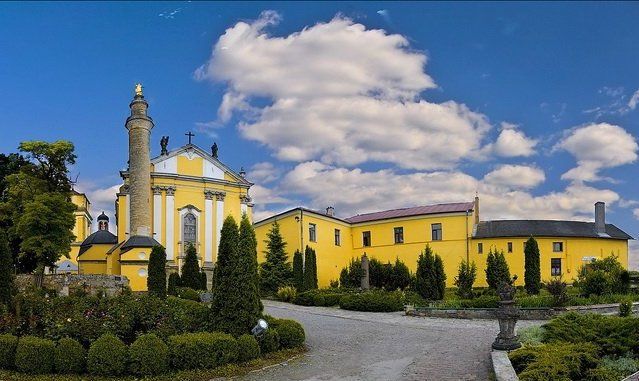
<point x="275" y="271"/>
<point x="497" y="271"/>
<point x="532" y="271"/>
<point x="314" y="268"/>
<point x="174" y="283"/>
<point x="440" y="277"/>
<point x="400" y="276"/>
<point x="298" y="271"/>
<point x="190" y="269"/>
<point x="6" y="270"/>
<point x="466" y="275"/>
<point x="310" y="269"/>
<point x="156" y="281"/>
<point x="425" y="281"/>
<point x="203" y="281"/>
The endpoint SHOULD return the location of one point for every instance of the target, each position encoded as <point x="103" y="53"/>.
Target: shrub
<point x="426" y="282"/>
<point x="615" y="368"/>
<point x="156" y="281"/>
<point x="174" y="283"/>
<point x="319" y="300"/>
<point x="107" y="356"/>
<point x="70" y="356"/>
<point x="148" y="355"/>
<point x="248" y="348"/>
<point x="557" y="288"/>
<point x="310" y="269"/>
<point x="191" y="269"/>
<point x="466" y="275"/>
<point x="532" y="271"/>
<point x="202" y="350"/>
<point x="497" y="271"/>
<point x="298" y="270"/>
<point x="557" y="361"/>
<point x="603" y="276"/>
<point x="286" y="293"/>
<point x="269" y="341"/>
<point x="8" y="344"/>
<point x="6" y="270"/>
<point x="291" y="333"/>
<point x="188" y="294"/>
<point x="531" y="336"/>
<point x="625" y="308"/>
<point x="305" y="298"/>
<point x="351" y="276"/>
<point x="373" y="301"/>
<point x="334" y="283"/>
<point x="35" y="355"/>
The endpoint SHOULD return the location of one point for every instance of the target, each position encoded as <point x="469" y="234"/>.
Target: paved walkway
<point x="347" y="345"/>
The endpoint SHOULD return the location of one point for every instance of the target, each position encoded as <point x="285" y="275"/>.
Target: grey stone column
<point x="365" y="273"/>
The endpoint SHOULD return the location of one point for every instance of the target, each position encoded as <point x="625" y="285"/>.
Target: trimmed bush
<point x="202" y="350"/>
<point x="35" y="355"/>
<point x="8" y="344"/>
<point x="248" y="348"/>
<point x="191" y="269"/>
<point x="373" y="301"/>
<point x="286" y="293"/>
<point x="107" y="356"/>
<point x="269" y="341"/>
<point x="291" y="333"/>
<point x="70" y="356"/>
<point x="298" y="270"/>
<point x="558" y="289"/>
<point x="156" y="281"/>
<point x="174" y="283"/>
<point x="188" y="294"/>
<point x="532" y="271"/>
<point x="148" y="356"/>
<point x="625" y="308"/>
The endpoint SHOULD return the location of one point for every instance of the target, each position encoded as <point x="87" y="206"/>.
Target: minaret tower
<point x="139" y="125"/>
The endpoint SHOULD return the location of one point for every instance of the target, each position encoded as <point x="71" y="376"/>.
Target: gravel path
<point x="347" y="345"/>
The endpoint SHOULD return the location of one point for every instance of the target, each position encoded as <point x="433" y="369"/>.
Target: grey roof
<point x="97" y="238"/>
<point x="414" y="211"/>
<point x="139" y="241"/>
<point x="545" y="228"/>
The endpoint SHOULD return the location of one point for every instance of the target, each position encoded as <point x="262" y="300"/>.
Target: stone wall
<point x="525" y="313"/>
<point x="64" y="284"/>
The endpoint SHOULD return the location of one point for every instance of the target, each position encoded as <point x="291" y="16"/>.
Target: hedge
<point x="291" y="333"/>
<point x="248" y="348"/>
<point x="557" y="361"/>
<point x="373" y="301"/>
<point x="107" y="356"/>
<point x="148" y="356"/>
<point x="319" y="298"/>
<point x="70" y="356"/>
<point x="8" y="344"/>
<point x="35" y="355"/>
<point x="269" y="341"/>
<point x="202" y="350"/>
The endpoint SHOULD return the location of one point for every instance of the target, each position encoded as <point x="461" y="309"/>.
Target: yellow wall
<point x="133" y="265"/>
<point x="93" y="261"/>
<point x="82" y="227"/>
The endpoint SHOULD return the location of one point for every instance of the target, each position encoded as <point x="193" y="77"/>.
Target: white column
<point x="157" y="214"/>
<point x="127" y="219"/>
<point x="244" y="209"/>
<point x="219" y="218"/>
<point x="208" y="226"/>
<point x="170" y="219"/>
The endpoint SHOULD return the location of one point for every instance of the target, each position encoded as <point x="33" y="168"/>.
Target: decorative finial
<point x="138" y="89"/>
<point x="242" y="172"/>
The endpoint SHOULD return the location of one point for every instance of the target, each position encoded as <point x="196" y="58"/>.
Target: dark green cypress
<point x="298" y="271"/>
<point x="497" y="271"/>
<point x="440" y="277"/>
<point x="532" y="270"/>
<point x="309" y="282"/>
<point x="6" y="270"/>
<point x="224" y="304"/>
<point x="425" y="281"/>
<point x="191" y="269"/>
<point x="275" y="271"/>
<point x="174" y="283"/>
<point x="156" y="281"/>
<point x="314" y="268"/>
<point x="203" y="281"/>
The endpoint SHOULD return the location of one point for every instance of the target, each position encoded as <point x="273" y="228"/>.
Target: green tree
<point x="191" y="269"/>
<point x="425" y="278"/>
<point x="275" y="271"/>
<point x="440" y="277"/>
<point x="156" y="281"/>
<point x="6" y="270"/>
<point x="203" y="281"/>
<point x="400" y="276"/>
<point x="351" y="275"/>
<point x="174" y="283"/>
<point x="497" y="271"/>
<point x="532" y="270"/>
<point x="466" y="275"/>
<point x="310" y="269"/>
<point x="298" y="271"/>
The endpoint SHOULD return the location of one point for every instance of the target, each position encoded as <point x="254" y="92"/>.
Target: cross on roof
<point x="190" y="135"/>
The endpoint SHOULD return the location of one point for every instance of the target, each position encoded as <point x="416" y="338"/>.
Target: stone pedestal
<point x="507" y="314"/>
<point x="365" y="273"/>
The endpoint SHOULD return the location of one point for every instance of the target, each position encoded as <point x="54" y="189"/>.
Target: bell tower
<point x="139" y="125"/>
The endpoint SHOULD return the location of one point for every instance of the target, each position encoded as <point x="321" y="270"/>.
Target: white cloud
<point x="596" y="147"/>
<point x="635" y="212"/>
<point x="633" y="255"/>
<point x="263" y="173"/>
<point x="102" y="200"/>
<point x="634" y="100"/>
<point x="341" y="94"/>
<point x="511" y="142"/>
<point x="515" y="177"/>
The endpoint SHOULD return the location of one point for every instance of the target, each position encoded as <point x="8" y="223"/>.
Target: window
<point x="312" y="232"/>
<point x="510" y="247"/>
<point x="557" y="247"/>
<point x="399" y="235"/>
<point x="366" y="238"/>
<point x="189" y="226"/>
<point x="480" y="248"/>
<point x="555" y="266"/>
<point x="436" y="232"/>
<point x="338" y="239"/>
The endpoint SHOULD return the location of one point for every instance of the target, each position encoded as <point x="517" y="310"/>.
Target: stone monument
<point x="365" y="273"/>
<point x="507" y="315"/>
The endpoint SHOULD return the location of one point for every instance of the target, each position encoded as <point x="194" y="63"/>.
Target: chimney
<point x="330" y="211"/>
<point x="476" y="210"/>
<point x="600" y="217"/>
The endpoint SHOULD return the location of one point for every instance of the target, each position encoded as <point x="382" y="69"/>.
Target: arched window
<point x="190" y="228"/>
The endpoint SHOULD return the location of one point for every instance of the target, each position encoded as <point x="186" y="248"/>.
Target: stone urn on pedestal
<point x="507" y="314"/>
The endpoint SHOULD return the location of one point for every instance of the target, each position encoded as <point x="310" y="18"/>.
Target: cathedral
<point x="178" y="198"/>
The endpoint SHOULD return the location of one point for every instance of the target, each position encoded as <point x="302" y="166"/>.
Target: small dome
<point x="98" y="238"/>
<point x="103" y="217"/>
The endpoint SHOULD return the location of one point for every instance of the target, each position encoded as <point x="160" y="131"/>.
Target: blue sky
<point x="364" y="106"/>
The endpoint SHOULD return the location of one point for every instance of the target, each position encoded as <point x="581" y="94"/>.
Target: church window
<point x="399" y="234"/>
<point x="312" y="232"/>
<point x="436" y="232"/>
<point x="190" y="228"/>
<point x="555" y="266"/>
<point x="338" y="238"/>
<point x="366" y="238"/>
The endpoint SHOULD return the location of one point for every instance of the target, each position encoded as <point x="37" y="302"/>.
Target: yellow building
<point x="453" y="231"/>
<point x="81" y="231"/>
<point x="178" y="198"/>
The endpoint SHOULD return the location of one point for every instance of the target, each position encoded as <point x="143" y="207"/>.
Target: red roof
<point x="414" y="211"/>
